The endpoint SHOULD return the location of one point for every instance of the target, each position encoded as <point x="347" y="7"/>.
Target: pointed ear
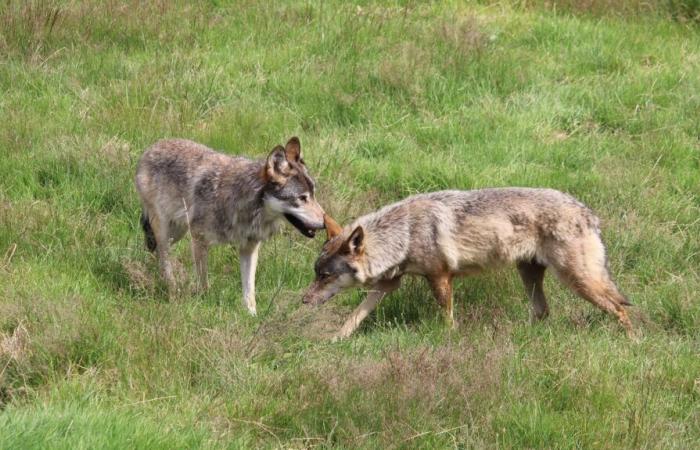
<point x="356" y="241"/>
<point x="332" y="227"/>
<point x="293" y="150"/>
<point x="276" y="166"/>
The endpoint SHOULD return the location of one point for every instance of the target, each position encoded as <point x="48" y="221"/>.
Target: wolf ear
<point x="356" y="241"/>
<point x="293" y="150"/>
<point x="332" y="227"/>
<point x="276" y="166"/>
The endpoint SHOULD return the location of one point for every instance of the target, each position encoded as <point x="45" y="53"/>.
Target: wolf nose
<point x="316" y="225"/>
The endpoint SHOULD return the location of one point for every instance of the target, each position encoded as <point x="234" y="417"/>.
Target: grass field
<point x="388" y="100"/>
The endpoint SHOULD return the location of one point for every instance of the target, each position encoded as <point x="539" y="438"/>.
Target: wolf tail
<point x="148" y="232"/>
<point x="622" y="299"/>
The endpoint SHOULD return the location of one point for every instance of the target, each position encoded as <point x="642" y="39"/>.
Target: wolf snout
<point x="310" y="298"/>
<point x="317" y="226"/>
<point x="313" y="226"/>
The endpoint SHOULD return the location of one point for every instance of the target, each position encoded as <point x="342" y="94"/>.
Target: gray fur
<point x="185" y="186"/>
<point x="445" y="234"/>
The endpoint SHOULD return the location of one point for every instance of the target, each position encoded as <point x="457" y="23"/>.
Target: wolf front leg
<point x="249" y="262"/>
<point x="442" y="290"/>
<point x="375" y="295"/>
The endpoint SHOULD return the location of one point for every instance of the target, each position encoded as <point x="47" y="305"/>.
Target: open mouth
<point x="301" y="226"/>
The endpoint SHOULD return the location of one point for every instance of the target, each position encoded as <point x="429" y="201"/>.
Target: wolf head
<point x="289" y="190"/>
<point x="338" y="265"/>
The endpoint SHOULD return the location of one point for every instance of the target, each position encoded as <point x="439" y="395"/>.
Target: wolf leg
<point x="149" y="236"/>
<point x="162" y="235"/>
<point x="378" y="292"/>
<point x="532" y="275"/>
<point x="249" y="262"/>
<point x="442" y="290"/>
<point x="200" y="252"/>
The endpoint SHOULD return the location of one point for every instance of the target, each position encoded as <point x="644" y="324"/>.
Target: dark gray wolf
<point x="185" y="186"/>
<point x="441" y="235"/>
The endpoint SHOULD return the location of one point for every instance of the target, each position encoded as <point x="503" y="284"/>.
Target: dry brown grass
<point x="402" y="69"/>
<point x="141" y="278"/>
<point x="43" y="336"/>
<point x="682" y="10"/>
<point x="38" y="28"/>
<point x="421" y="387"/>
<point x="15" y="345"/>
<point x="464" y="34"/>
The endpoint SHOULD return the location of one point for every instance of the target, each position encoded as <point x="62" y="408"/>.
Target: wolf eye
<point x="323" y="275"/>
<point x="303" y="198"/>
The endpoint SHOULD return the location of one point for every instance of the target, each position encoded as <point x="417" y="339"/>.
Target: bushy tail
<point x="620" y="297"/>
<point x="148" y="232"/>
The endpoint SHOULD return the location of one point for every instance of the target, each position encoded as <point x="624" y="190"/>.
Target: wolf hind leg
<point x="149" y="236"/>
<point x="532" y="274"/>
<point x="162" y="235"/>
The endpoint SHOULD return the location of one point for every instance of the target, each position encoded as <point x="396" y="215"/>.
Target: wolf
<point x="185" y="186"/>
<point x="442" y="235"/>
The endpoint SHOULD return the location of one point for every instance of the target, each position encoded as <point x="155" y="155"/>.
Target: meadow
<point x="600" y="99"/>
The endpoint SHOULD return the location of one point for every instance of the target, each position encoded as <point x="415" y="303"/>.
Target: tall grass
<point x="598" y="99"/>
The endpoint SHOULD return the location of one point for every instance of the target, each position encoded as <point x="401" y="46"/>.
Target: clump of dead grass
<point x="465" y="35"/>
<point x="38" y="29"/>
<point x="402" y="67"/>
<point x="681" y="10"/>
<point x="288" y="320"/>
<point x="414" y="392"/>
<point x="15" y="345"/>
<point x="48" y="335"/>
<point x="423" y="374"/>
<point x="28" y="25"/>
<point x="140" y="278"/>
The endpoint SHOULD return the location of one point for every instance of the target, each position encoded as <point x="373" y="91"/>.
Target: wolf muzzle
<point x="311" y="300"/>
<point x="315" y="295"/>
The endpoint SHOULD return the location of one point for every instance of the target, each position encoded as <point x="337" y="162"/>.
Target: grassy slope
<point x="388" y="101"/>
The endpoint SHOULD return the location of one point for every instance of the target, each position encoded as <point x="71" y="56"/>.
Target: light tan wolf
<point x="222" y="199"/>
<point x="445" y="234"/>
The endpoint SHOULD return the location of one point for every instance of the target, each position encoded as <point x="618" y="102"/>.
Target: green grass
<point x="388" y="100"/>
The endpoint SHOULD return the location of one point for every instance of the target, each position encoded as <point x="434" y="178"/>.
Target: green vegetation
<point x="388" y="100"/>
